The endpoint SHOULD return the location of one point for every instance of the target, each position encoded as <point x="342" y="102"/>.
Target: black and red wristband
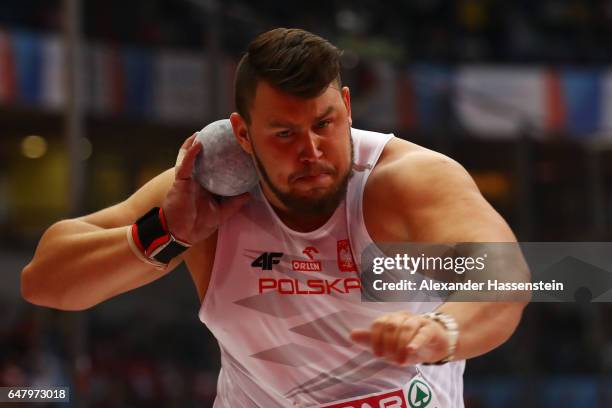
<point x="151" y="236"/>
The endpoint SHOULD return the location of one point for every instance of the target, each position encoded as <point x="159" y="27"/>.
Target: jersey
<point x="282" y="303"/>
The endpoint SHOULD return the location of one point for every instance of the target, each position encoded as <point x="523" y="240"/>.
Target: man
<point x="275" y="269"/>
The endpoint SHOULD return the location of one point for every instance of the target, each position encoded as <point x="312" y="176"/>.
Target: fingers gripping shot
<point x="276" y="261"/>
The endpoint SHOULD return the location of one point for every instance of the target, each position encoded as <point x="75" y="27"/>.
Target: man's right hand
<point x="193" y="213"/>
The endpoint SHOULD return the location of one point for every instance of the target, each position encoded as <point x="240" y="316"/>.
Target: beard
<point x="310" y="206"/>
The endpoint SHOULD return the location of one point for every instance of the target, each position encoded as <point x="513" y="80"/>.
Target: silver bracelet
<point x="452" y="331"/>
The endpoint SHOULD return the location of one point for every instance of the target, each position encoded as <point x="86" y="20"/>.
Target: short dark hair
<point x="292" y="60"/>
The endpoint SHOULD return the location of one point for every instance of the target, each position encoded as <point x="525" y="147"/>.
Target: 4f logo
<point x="266" y="260"/>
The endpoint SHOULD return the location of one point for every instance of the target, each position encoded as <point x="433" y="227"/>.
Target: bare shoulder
<point x="418" y="194"/>
<point x="415" y="169"/>
<point x="414" y="176"/>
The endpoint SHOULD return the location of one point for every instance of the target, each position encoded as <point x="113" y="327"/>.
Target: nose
<point x="310" y="149"/>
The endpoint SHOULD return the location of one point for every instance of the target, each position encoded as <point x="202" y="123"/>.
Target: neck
<point x="297" y="221"/>
<point x="302" y="223"/>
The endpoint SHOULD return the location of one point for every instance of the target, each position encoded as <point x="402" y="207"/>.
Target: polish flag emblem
<point x="346" y="263"/>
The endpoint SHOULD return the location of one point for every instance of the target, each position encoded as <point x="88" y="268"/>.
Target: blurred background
<point x="97" y="96"/>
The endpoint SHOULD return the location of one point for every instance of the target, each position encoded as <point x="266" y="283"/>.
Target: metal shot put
<point x="222" y="167"/>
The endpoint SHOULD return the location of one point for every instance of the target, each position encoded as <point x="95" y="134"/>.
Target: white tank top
<point x="282" y="303"/>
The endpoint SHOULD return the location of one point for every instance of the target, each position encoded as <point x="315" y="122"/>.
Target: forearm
<point x="483" y="326"/>
<point x="78" y="265"/>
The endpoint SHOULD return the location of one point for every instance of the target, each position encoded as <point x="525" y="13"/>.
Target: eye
<point x="323" y="124"/>
<point x="283" y="134"/>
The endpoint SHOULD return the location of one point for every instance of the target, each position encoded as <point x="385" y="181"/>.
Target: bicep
<point x="127" y="212"/>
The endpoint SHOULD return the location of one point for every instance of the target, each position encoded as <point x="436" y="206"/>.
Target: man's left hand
<point x="405" y="338"/>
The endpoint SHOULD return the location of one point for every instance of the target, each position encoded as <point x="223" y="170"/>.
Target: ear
<point x="241" y="132"/>
<point x="346" y="97"/>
